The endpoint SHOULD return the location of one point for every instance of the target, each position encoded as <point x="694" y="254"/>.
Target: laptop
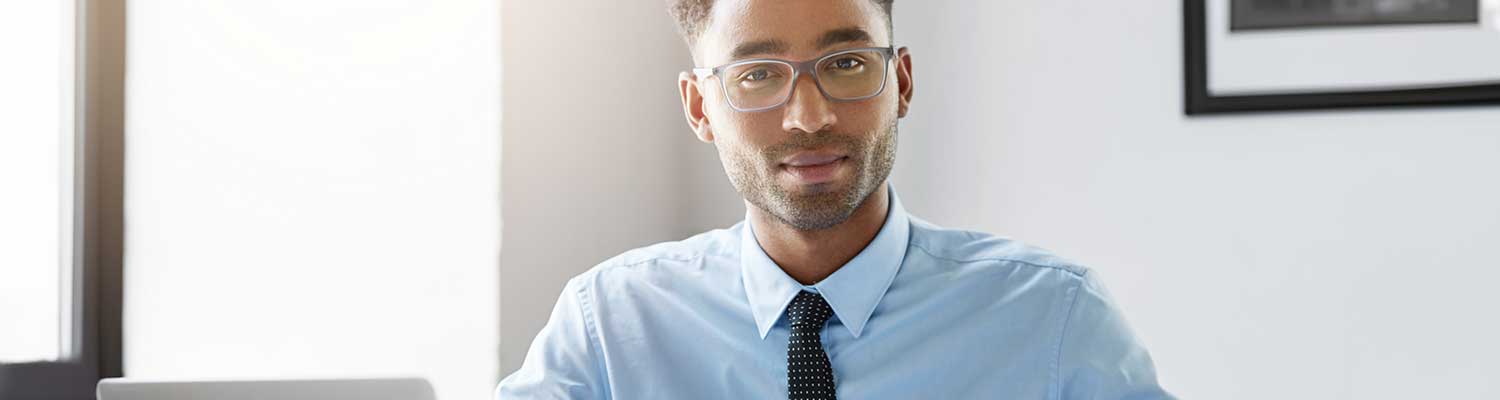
<point x="294" y="389"/>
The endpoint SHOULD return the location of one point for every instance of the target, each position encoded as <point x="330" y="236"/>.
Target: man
<point x="828" y="288"/>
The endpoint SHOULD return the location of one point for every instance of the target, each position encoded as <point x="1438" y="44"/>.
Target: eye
<point x="847" y="63"/>
<point x="756" y="75"/>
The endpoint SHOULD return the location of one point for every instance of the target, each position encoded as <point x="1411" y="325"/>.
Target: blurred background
<point x="395" y="187"/>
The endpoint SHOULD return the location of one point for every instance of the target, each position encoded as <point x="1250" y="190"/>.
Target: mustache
<point x="811" y="141"/>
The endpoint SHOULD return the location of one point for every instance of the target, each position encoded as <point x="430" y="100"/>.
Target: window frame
<point x="92" y="349"/>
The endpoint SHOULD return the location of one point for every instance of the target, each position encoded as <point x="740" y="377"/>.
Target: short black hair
<point x="692" y="16"/>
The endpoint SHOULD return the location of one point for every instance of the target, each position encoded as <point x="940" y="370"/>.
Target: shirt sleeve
<point x="563" y="362"/>
<point x="1099" y="357"/>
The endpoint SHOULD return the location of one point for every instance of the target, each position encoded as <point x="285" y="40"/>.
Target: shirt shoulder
<point x="673" y="255"/>
<point x="971" y="249"/>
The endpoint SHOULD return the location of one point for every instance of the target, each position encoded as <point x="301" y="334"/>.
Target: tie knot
<point x="809" y="310"/>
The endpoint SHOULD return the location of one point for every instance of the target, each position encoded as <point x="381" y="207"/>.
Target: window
<point x="314" y="191"/>
<point x="35" y="163"/>
<point x="59" y="197"/>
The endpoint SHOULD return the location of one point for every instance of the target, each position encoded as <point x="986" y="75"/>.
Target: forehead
<point x="798" y="26"/>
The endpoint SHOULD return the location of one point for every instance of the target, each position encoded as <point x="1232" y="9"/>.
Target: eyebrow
<point x="772" y="46"/>
<point x="842" y="35"/>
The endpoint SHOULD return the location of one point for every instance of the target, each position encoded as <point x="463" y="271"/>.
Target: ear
<point x="903" y="80"/>
<point x="692" y="106"/>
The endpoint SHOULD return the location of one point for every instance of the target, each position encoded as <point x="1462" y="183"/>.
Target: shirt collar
<point x="852" y="291"/>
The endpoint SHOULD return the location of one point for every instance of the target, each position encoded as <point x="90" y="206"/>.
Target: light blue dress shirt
<point x="921" y="313"/>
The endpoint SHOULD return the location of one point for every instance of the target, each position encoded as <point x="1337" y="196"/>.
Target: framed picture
<point x="1272" y="55"/>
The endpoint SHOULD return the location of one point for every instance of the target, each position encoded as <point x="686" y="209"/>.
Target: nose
<point x="807" y="111"/>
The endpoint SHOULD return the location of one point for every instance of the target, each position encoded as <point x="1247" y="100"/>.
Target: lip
<point x="811" y="168"/>
<point x="810" y="159"/>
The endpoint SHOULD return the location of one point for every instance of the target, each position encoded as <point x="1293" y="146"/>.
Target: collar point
<point x="855" y="331"/>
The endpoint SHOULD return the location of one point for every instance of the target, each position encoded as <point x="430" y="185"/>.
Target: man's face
<point x="811" y="162"/>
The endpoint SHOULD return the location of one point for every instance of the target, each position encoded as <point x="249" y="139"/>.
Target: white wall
<point x="597" y="157"/>
<point x="1312" y="255"/>
<point x="313" y="190"/>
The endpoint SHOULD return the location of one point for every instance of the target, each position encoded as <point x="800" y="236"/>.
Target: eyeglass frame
<point x="809" y="66"/>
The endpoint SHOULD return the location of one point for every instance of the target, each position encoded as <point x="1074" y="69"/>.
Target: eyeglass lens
<point x="844" y="76"/>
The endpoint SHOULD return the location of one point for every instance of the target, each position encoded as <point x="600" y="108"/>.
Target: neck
<point x="810" y="256"/>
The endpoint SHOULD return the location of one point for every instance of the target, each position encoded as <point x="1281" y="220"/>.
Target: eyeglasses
<point x="767" y="83"/>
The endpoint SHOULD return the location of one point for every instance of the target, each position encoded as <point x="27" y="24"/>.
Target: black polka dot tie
<point x="809" y="376"/>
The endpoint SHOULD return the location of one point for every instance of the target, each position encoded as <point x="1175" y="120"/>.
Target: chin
<point x="817" y="189"/>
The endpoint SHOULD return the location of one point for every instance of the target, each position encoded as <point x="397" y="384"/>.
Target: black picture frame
<point x="1197" y="100"/>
